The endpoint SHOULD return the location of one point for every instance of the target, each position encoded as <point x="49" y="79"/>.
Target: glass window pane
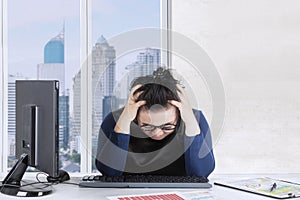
<point x="44" y="43"/>
<point x="113" y="72"/>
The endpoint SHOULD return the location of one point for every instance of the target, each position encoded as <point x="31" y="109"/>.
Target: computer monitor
<point x="37" y="137"/>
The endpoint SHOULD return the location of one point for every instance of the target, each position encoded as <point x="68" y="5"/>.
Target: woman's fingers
<point x="179" y="88"/>
<point x="140" y="103"/>
<point x="175" y="103"/>
<point x="133" y="97"/>
<point x="134" y="89"/>
<point x="136" y="96"/>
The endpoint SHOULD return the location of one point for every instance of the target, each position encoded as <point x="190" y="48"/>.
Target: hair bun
<point x="159" y="72"/>
<point x="162" y="75"/>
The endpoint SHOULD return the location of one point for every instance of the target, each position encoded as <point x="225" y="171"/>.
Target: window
<point x="60" y="40"/>
<point x="112" y="70"/>
<point x="44" y="43"/>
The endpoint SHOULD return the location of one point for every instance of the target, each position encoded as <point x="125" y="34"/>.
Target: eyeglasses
<point x="163" y="127"/>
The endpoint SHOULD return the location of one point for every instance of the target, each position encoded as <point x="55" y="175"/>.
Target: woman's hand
<point x="186" y="112"/>
<point x="130" y="111"/>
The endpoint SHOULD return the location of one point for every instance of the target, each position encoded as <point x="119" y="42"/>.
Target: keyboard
<point x="144" y="181"/>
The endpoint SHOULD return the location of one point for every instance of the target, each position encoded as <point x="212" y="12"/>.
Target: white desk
<point x="73" y="192"/>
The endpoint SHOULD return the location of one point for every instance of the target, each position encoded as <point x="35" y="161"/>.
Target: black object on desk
<point x="273" y="187"/>
<point x="37" y="132"/>
<point x="142" y="181"/>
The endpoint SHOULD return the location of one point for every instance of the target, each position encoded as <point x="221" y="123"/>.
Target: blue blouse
<point x="114" y="149"/>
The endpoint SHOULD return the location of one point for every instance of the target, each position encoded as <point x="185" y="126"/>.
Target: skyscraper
<point x="54" y="68"/>
<point x="11" y="122"/>
<point x="103" y="83"/>
<point x="54" y="50"/>
<point x="146" y="62"/>
<point x="76" y="114"/>
<point x="103" y="66"/>
<point x="64" y="119"/>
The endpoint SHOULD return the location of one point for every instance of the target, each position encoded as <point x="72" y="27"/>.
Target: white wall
<point x="255" y="46"/>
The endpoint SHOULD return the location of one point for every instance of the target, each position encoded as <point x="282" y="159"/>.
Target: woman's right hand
<point x="130" y="111"/>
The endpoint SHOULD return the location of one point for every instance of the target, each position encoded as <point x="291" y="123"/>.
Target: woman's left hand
<point x="186" y="112"/>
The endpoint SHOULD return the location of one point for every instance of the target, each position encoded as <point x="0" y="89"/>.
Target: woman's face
<point x="158" y="122"/>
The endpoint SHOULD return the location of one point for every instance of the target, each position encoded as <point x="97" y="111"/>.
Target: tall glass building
<point x="54" y="50"/>
<point x="54" y="68"/>
<point x="146" y="62"/>
<point x="104" y="78"/>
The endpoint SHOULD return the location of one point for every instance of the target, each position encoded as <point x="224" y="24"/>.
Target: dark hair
<point x="157" y="88"/>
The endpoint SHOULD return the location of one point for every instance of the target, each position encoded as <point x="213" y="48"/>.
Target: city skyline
<point x="103" y="62"/>
<point x="29" y="33"/>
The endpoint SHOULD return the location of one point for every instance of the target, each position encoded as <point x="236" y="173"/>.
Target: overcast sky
<point x="32" y="23"/>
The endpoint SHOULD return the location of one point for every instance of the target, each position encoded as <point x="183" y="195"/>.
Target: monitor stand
<point x="11" y="185"/>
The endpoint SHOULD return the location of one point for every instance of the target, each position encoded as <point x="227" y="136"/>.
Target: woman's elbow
<point x="106" y="170"/>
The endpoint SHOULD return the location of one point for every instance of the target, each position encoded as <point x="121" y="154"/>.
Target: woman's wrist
<point x="123" y="125"/>
<point x="192" y="127"/>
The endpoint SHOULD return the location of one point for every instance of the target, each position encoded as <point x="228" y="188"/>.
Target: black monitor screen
<point x="37" y="123"/>
<point x="37" y="138"/>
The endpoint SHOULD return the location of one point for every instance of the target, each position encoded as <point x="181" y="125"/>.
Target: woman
<point x="157" y="132"/>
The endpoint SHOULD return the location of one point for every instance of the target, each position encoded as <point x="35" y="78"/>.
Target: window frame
<point x="3" y="84"/>
<point x="166" y="36"/>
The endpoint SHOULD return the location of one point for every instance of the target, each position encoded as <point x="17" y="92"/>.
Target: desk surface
<point x="67" y="191"/>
